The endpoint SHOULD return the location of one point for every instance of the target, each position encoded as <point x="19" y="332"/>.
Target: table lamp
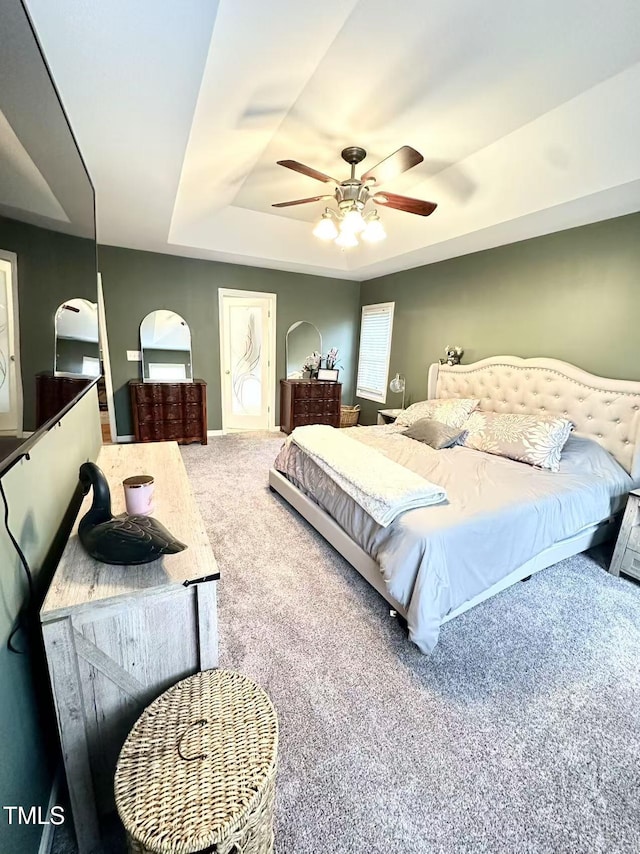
<point x="397" y="385"/>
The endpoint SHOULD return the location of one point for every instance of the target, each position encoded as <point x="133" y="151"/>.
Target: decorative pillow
<point x="534" y="439"/>
<point x="452" y="411"/>
<point x="434" y="433"/>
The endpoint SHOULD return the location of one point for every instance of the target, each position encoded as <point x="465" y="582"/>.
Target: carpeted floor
<point x="520" y="734"/>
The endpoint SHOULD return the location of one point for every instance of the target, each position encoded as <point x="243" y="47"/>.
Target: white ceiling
<point x="528" y="117"/>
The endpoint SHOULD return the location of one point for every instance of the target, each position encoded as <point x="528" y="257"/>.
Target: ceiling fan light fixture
<point x="326" y="229"/>
<point x="374" y="230"/>
<point x="346" y="239"/>
<point x="354" y="198"/>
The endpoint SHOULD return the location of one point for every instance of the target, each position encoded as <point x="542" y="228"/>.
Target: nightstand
<point x="626" y="557"/>
<point x="388" y="416"/>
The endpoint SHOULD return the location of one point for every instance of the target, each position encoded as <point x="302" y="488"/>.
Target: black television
<point x="48" y="265"/>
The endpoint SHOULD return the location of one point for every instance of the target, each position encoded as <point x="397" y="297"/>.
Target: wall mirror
<point x="77" y="351"/>
<point x="165" y="341"/>
<point x="47" y="239"/>
<point x="303" y="338"/>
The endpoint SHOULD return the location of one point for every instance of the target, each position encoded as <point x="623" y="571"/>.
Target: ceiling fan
<point x="354" y="195"/>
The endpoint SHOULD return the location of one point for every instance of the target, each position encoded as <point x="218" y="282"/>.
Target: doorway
<point x="10" y="379"/>
<point x="247" y="359"/>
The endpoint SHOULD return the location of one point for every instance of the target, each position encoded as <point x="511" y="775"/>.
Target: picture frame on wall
<point x="328" y="374"/>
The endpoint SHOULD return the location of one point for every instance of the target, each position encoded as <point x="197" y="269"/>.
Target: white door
<point x="10" y="386"/>
<point x="247" y="359"/>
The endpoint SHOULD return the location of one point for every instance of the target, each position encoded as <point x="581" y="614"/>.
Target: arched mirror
<point x="303" y="339"/>
<point x="77" y="351"/>
<point x="165" y="341"/>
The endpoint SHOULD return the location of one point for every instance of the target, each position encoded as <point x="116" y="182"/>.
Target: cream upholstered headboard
<point x="602" y="409"/>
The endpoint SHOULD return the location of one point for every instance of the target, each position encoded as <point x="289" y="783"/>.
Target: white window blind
<point x="376" y="326"/>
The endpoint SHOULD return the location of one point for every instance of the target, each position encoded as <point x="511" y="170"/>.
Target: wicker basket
<point x="349" y="416"/>
<point x="197" y="771"/>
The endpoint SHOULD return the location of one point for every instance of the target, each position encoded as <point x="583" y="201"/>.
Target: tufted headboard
<point x="602" y="409"/>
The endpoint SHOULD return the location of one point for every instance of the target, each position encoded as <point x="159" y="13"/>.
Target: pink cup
<point x="138" y="494"/>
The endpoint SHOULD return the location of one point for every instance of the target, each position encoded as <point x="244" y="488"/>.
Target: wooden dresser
<point x="116" y="637"/>
<point x="53" y="394"/>
<point x="169" y="412"/>
<point x="309" y="402"/>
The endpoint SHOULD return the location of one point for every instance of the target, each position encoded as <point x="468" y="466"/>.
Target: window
<point x="376" y="326"/>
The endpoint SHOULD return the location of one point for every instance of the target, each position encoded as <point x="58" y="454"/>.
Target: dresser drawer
<point x="631" y="564"/>
<point x="151" y="431"/>
<point x="331" y="420"/>
<point x="634" y="539"/>
<point x="148" y="393"/>
<point x="303" y="407"/>
<point x="301" y="391"/>
<point x="193" y="392"/>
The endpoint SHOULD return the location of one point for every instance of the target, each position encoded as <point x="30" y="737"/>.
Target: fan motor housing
<point x="353" y="154"/>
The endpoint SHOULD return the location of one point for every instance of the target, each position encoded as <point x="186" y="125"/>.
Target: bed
<point x="503" y="520"/>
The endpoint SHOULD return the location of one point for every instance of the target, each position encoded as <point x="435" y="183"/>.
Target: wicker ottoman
<point x="197" y="771"/>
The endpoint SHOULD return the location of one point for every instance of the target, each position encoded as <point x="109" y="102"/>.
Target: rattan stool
<point x="198" y="770"/>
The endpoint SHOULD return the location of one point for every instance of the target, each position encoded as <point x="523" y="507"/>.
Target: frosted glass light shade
<point x="326" y="228"/>
<point x="353" y="222"/>
<point x="374" y="231"/>
<point x="397" y="384"/>
<point x="346" y="239"/>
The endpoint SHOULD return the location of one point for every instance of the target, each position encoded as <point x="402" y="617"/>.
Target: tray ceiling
<point x="527" y="116"/>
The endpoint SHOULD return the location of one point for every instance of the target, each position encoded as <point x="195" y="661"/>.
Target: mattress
<point x="498" y="515"/>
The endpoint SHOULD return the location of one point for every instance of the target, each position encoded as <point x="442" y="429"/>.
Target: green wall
<point x="573" y="295"/>
<point x="52" y="268"/>
<point x="136" y="283"/>
<point x="39" y="492"/>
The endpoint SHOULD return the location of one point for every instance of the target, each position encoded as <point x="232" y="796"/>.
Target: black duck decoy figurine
<point x="119" y="539"/>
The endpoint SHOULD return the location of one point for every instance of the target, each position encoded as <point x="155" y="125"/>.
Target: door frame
<point x="271" y="353"/>
<point x="12" y="259"/>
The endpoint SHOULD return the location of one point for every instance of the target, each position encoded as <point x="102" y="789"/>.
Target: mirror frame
<point x="148" y="379"/>
<point x="56" y="372"/>
<point x="286" y="342"/>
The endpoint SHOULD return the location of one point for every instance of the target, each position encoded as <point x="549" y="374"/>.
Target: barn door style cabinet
<point x="116" y="637"/>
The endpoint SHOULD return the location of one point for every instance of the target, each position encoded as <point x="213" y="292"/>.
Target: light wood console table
<point x="117" y="636"/>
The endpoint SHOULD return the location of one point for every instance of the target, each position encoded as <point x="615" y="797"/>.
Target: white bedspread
<point x="382" y="487"/>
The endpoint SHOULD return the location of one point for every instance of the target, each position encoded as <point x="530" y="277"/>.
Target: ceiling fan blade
<point x="404" y="203"/>
<point x="300" y="201"/>
<point x="393" y="165"/>
<point x="308" y="171"/>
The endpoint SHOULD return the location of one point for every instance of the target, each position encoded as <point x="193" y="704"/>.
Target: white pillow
<point x="452" y="411"/>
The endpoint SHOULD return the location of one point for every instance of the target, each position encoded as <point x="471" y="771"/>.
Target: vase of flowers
<point x="332" y="358"/>
<point x="311" y="365"/>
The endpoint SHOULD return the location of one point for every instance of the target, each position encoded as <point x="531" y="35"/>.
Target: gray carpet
<point x="520" y="733"/>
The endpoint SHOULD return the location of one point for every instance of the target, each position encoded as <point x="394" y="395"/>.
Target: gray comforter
<point x="499" y="514"/>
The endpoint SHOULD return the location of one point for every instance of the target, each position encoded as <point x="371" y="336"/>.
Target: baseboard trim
<point x="215" y="432"/>
<point x="46" y="840"/>
<point x="124" y="439"/>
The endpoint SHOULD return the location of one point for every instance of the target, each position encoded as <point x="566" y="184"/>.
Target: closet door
<point x="247" y="359"/>
<point x="10" y="390"/>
